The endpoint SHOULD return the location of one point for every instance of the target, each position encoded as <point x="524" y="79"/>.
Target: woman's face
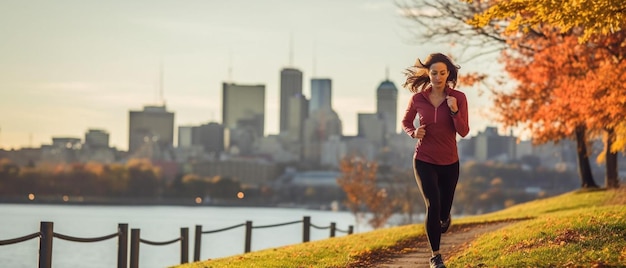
<point x="438" y="74"/>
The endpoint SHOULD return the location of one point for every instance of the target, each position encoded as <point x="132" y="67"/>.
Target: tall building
<point x="243" y="115"/>
<point x="321" y="94"/>
<point x="387" y="105"/>
<point x="152" y="126"/>
<point x="298" y="113"/>
<point x="321" y="126"/>
<point x="290" y="86"/>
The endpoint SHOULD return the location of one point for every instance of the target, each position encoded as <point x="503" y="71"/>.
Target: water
<point x="158" y="224"/>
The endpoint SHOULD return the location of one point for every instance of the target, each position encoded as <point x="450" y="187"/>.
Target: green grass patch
<point x="577" y="229"/>
<point x="333" y="252"/>
<point x="587" y="237"/>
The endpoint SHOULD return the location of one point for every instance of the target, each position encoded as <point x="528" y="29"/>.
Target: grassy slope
<point x="581" y="229"/>
<point x="574" y="229"/>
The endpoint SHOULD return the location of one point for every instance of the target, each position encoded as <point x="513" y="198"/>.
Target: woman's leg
<point x="448" y="178"/>
<point x="426" y="177"/>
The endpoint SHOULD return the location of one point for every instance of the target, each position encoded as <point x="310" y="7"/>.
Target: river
<point x="158" y="224"/>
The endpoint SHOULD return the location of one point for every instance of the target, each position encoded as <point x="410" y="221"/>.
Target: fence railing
<point x="306" y="233"/>
<point x="46" y="234"/>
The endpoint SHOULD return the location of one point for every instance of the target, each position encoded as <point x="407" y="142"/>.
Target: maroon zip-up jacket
<point x="439" y="144"/>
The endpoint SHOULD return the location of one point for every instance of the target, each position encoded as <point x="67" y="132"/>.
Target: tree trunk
<point x="584" y="168"/>
<point x="611" y="180"/>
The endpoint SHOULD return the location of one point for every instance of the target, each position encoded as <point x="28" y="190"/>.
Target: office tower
<point x="290" y="86"/>
<point x="244" y="105"/>
<point x="152" y="126"/>
<point x="210" y="136"/>
<point x="321" y="94"/>
<point x="298" y="112"/>
<point x="97" y="138"/>
<point x="321" y="126"/>
<point x="387" y="105"/>
<point x="243" y="115"/>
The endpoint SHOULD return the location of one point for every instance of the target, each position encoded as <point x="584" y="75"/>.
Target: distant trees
<point x="486" y="187"/>
<point x="137" y="178"/>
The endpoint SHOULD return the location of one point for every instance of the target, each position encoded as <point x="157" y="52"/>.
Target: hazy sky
<point x="70" y="66"/>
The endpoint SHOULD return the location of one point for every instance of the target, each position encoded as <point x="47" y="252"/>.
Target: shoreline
<point x="124" y="201"/>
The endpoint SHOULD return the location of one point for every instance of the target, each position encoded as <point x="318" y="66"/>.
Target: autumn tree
<point x="594" y="17"/>
<point x="358" y="181"/>
<point x="601" y="24"/>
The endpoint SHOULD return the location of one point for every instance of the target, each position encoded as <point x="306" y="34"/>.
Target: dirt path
<point x="452" y="243"/>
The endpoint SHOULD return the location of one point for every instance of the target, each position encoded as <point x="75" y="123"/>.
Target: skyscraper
<point x="243" y="114"/>
<point x="321" y="93"/>
<point x="290" y="86"/>
<point x="153" y="125"/>
<point x="243" y="105"/>
<point x="387" y="105"/>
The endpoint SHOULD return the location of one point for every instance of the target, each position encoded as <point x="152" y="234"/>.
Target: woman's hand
<point x="451" y="101"/>
<point x="420" y="132"/>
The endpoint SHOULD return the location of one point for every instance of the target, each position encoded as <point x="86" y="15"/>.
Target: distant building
<point x="333" y="150"/>
<point x="250" y="172"/>
<point x="319" y="128"/>
<point x="243" y="115"/>
<point x="184" y="136"/>
<point x="290" y="87"/>
<point x="97" y="138"/>
<point x="210" y="136"/>
<point x="387" y="106"/>
<point x="151" y="130"/>
<point x="298" y="113"/>
<point x="62" y="150"/>
<point x="357" y="146"/>
<point x="321" y="95"/>
<point x="372" y="128"/>
<point x="489" y="145"/>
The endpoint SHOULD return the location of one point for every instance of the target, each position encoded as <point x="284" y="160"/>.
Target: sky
<point x="70" y="66"/>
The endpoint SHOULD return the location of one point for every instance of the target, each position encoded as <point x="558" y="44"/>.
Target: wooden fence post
<point x="350" y="229"/>
<point x="45" y="244"/>
<point x="134" y="248"/>
<point x="248" y="245"/>
<point x="184" y="245"/>
<point x="197" y="243"/>
<point x="122" y="245"/>
<point x="333" y="227"/>
<point x="306" y="229"/>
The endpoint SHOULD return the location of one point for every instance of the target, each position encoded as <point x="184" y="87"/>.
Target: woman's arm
<point x="409" y="117"/>
<point x="461" y="118"/>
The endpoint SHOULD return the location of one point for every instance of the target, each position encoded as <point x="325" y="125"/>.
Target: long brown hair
<point x="417" y="78"/>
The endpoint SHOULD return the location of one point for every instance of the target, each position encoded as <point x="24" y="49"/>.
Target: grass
<point x="577" y="229"/>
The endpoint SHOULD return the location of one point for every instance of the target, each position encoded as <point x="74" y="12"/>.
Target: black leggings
<point x="437" y="183"/>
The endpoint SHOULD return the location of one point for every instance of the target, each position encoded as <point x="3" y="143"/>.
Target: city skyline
<point x="72" y="66"/>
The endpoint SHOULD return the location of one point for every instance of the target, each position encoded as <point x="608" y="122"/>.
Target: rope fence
<point x="46" y="235"/>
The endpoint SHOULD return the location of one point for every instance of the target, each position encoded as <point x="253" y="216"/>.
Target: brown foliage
<point x="358" y="181"/>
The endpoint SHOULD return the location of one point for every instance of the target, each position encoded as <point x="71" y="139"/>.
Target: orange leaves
<point x="563" y="84"/>
<point x="594" y="17"/>
<point x="358" y="181"/>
